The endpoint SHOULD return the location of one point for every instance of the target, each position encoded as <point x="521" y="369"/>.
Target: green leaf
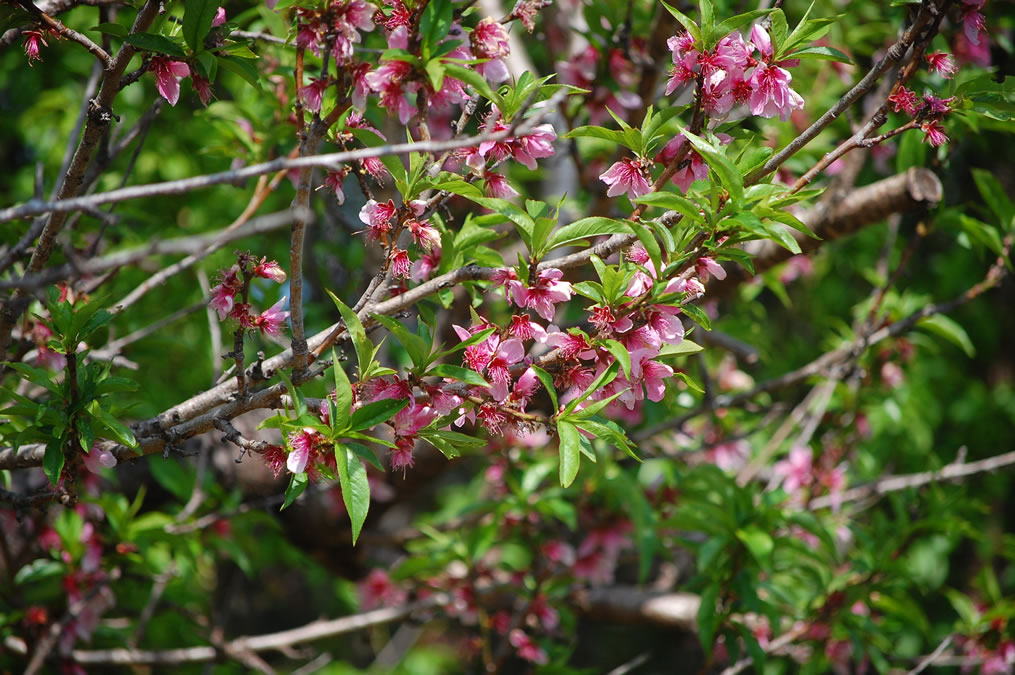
<point x="688" y="25"/>
<point x="708" y="616"/>
<point x="197" y="18"/>
<point x="995" y="197"/>
<point x="697" y="315"/>
<point x="949" y="329"/>
<point x="823" y="53"/>
<point x="120" y="432"/>
<point x="297" y="484"/>
<point x="52" y="461"/>
<point x="648" y="240"/>
<point x="242" y="67"/>
<point x="458" y="373"/>
<point x="611" y="135"/>
<point x="735" y="23"/>
<point x="621" y="354"/>
<point x="758" y="542"/>
<point x="155" y="43"/>
<point x="669" y="200"/>
<point x="358" y="335"/>
<point x="352" y="476"/>
<point x="603" y="379"/>
<point x="176" y="478"/>
<point x="435" y="72"/>
<point x="114" y="29"/>
<point x="476" y="81"/>
<point x="778" y="29"/>
<point x="570" y="454"/>
<point x="343" y="393"/>
<point x="365" y="453"/>
<point x="547" y="381"/>
<point x="473" y="339"/>
<point x="912" y="152"/>
<point x="610" y="432"/>
<point x="372" y="414"/>
<point x="584" y="228"/>
<point x="37" y="376"/>
<point x="435" y="22"/>
<point x="416" y="346"/>
<point x="727" y="172"/>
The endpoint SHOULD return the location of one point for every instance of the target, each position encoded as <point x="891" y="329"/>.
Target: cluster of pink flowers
<point x="526" y="149"/>
<point x="731" y="74"/>
<point x="386" y="221"/>
<point x="928" y="111"/>
<point x="228" y="298"/>
<point x="632" y="175"/>
<point x="341" y="21"/>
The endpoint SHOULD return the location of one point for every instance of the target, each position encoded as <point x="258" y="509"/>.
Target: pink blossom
<point x="270" y="269"/>
<point x="401" y="266"/>
<point x="378" y="590"/>
<point x="650" y="373"/>
<point x="905" y="100"/>
<point x="32" y="40"/>
<point x="424" y="234"/>
<point x="524" y="328"/>
<point x="527" y="649"/>
<point x="627" y="176"/>
<point x="526" y="387"/>
<point x="544" y="294"/>
<point x="937" y="106"/>
<point x="223" y="295"/>
<point x="934" y="133"/>
<point x="509" y="352"/>
<point x="272" y="319"/>
<point x="389" y="80"/>
<point x="526" y="10"/>
<point x="604" y="319"/>
<point x="302" y="443"/>
<point x="426" y="264"/>
<point x="220" y="17"/>
<point x="313" y="93"/>
<point x="969" y="51"/>
<point x="973" y="22"/>
<point x="707" y="266"/>
<point x="98" y="458"/>
<point x="941" y="63"/>
<point x="492" y="418"/>
<point x="335" y="180"/>
<point x="559" y="552"/>
<point x="490" y="39"/>
<point x="761" y="40"/>
<point x="535" y="145"/>
<point x="771" y="94"/>
<point x="497" y="185"/>
<point x="377" y="217"/>
<point x="203" y="89"/>
<point x="570" y="345"/>
<point x="375" y="167"/>
<point x="796" y="470"/>
<point x="167" y="77"/>
<point x="275" y="458"/>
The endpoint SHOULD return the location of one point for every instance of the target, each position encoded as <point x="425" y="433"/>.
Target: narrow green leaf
<point x="343" y="393"/>
<point x="727" y="172"/>
<point x="669" y="200"/>
<point x="197" y="18"/>
<point x="584" y="228"/>
<point x="570" y="453"/>
<point x="352" y="476"/>
<point x="155" y="43"/>
<point x="648" y="240"/>
<point x="758" y="542"/>
<point x="365" y="453"/>
<point x="547" y="381"/>
<point x="995" y="197"/>
<point x="414" y="344"/>
<point x="603" y="379"/>
<point x="688" y="25"/>
<point x="372" y="414"/>
<point x="822" y="53"/>
<point x="297" y="484"/>
<point x="120" y="432"/>
<point x="949" y="329"/>
<point x="52" y="461"/>
<point x="698" y="315"/>
<point x="114" y="29"/>
<point x="242" y="67"/>
<point x="358" y="335"/>
<point x="476" y="81"/>
<point x="737" y="22"/>
<point x="458" y="373"/>
<point x="621" y="354"/>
